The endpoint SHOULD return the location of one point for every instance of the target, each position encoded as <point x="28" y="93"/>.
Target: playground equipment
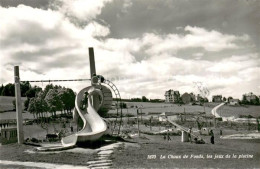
<point x="185" y="131"/>
<point x="93" y="125"/>
<point x="99" y="96"/>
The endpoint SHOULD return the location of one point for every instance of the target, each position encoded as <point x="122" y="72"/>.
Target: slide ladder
<point x="118" y="104"/>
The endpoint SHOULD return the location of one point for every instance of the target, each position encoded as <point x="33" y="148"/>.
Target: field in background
<point x="146" y="107"/>
<point x="6" y="103"/>
<point x="236" y="111"/>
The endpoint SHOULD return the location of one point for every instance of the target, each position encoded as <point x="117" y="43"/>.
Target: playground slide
<point x="183" y="129"/>
<point x="93" y="125"/>
<point x="214" y="110"/>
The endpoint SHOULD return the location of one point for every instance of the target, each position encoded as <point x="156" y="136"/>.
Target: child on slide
<point x="84" y="101"/>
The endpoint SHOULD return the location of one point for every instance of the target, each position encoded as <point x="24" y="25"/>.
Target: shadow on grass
<point x="103" y="141"/>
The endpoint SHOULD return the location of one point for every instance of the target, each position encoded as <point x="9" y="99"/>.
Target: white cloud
<point x="83" y="9"/>
<point x="235" y="64"/>
<point x="195" y="37"/>
<point x="48" y="45"/>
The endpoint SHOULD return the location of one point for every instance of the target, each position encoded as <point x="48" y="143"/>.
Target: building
<point x="250" y="97"/>
<point x="172" y="96"/>
<point x="187" y="98"/>
<point x="234" y="102"/>
<point x="217" y="98"/>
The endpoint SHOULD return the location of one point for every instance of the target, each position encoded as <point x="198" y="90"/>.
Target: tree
<point x="1" y="89"/>
<point x="53" y="101"/>
<point x="144" y="99"/>
<point x="70" y="99"/>
<point x="31" y="107"/>
<point x="46" y="89"/>
<point x="32" y="92"/>
<point x="224" y="99"/>
<point x="25" y="86"/>
<point x="8" y="90"/>
<point x="26" y="103"/>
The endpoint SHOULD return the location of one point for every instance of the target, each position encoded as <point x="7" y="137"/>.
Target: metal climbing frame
<point x="118" y="102"/>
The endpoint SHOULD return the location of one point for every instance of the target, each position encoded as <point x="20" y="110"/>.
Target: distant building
<point x="187" y="98"/>
<point x="250" y="97"/>
<point x="234" y="102"/>
<point x="217" y="98"/>
<point x="172" y="96"/>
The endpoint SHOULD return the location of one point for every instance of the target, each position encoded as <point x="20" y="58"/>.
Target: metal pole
<point x="19" y="117"/>
<point x="95" y="99"/>
<point x="138" y="122"/>
<point x="92" y="62"/>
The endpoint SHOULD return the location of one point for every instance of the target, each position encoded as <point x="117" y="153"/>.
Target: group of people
<point x="196" y="140"/>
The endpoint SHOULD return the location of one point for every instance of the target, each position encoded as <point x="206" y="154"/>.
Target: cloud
<point x="195" y="37"/>
<point x="50" y="44"/>
<point x="83" y="9"/>
<point x="235" y="64"/>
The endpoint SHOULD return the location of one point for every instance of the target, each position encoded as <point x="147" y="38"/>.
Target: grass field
<point x="6" y="103"/>
<point x="236" y="111"/>
<point x="167" y="153"/>
<point x="141" y="155"/>
<point x="146" y="107"/>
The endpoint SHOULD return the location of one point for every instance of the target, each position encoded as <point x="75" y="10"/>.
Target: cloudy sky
<point x="144" y="46"/>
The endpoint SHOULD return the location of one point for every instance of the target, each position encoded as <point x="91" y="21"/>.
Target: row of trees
<point x="41" y="102"/>
<point x="9" y="89"/>
<point x="50" y="100"/>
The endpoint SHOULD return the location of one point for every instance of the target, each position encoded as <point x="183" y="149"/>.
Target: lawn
<point x="6" y="103"/>
<point x="236" y="111"/>
<point x="171" y="154"/>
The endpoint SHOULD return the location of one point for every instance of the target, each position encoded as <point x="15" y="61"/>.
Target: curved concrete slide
<point x="184" y="129"/>
<point x="214" y="110"/>
<point x="93" y="125"/>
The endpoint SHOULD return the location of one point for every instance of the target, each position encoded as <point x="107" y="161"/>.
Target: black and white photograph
<point x="88" y="84"/>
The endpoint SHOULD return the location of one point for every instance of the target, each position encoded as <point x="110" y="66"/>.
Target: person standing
<point x="212" y="137"/>
<point x="168" y="136"/>
<point x="189" y="134"/>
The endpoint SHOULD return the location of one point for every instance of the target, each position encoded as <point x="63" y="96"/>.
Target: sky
<point x="144" y="46"/>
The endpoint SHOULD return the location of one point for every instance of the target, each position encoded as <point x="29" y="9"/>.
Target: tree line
<point x="43" y="102"/>
<point x="50" y="100"/>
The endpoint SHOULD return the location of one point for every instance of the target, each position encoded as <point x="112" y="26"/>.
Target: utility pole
<point x="151" y="123"/>
<point x="19" y="117"/>
<point x="141" y="115"/>
<point x="138" y="122"/>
